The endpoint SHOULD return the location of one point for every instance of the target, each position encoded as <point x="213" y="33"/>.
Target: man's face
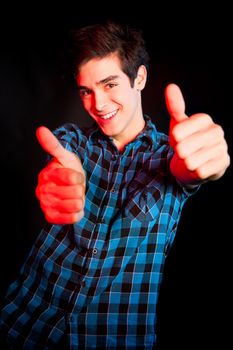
<point x="110" y="100"/>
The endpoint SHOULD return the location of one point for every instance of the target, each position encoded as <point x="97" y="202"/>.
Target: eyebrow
<point x="106" y="80"/>
<point x="101" y="82"/>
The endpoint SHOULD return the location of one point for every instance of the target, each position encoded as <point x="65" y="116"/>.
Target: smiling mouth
<point x="108" y="115"/>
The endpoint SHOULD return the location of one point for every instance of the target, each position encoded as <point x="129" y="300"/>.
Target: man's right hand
<point x="61" y="184"/>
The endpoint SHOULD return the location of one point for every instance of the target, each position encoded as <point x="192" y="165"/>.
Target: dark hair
<point x="100" y="40"/>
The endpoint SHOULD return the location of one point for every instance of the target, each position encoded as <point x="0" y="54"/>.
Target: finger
<point x="201" y="157"/>
<point x="192" y="125"/>
<point x="214" y="168"/>
<point x="63" y="176"/>
<point x="55" y="217"/>
<point x="206" y="138"/>
<point x="50" y="143"/>
<point x="62" y="192"/>
<point x="52" y="146"/>
<point x="64" y="206"/>
<point x="175" y="103"/>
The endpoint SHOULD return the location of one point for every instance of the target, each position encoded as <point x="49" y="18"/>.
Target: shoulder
<point x="156" y="137"/>
<point x="74" y="138"/>
<point x="160" y="144"/>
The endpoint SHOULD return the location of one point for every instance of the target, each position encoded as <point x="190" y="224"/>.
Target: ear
<point x="140" y="80"/>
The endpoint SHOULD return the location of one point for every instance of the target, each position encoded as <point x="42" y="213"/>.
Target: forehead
<point x="98" y="69"/>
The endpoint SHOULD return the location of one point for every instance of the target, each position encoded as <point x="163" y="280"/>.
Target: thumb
<point x="51" y="145"/>
<point x="175" y="103"/>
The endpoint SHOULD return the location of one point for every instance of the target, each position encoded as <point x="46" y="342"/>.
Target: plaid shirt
<point x="95" y="284"/>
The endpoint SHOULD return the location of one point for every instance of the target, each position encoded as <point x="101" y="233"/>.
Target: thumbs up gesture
<point x="200" y="150"/>
<point x="61" y="184"/>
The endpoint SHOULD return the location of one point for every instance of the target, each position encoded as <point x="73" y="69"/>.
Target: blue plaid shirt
<point x="95" y="284"/>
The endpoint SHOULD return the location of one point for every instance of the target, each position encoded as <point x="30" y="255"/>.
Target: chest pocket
<point x="144" y="202"/>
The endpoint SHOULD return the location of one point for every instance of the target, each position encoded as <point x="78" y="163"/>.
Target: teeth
<point x="109" y="115"/>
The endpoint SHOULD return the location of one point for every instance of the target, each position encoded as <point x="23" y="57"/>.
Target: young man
<point x="112" y="195"/>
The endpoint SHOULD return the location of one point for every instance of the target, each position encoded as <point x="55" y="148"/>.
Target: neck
<point x="123" y="141"/>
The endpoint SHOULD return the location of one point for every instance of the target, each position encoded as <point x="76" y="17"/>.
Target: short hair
<point x="102" y="39"/>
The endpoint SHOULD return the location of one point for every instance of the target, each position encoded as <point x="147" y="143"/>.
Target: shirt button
<point x="94" y="251"/>
<point x="113" y="190"/>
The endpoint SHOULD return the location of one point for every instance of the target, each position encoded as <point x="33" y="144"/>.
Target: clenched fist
<point x="61" y="184"/>
<point x="199" y="144"/>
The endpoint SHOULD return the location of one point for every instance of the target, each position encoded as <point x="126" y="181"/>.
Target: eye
<point x="110" y="85"/>
<point x="84" y="93"/>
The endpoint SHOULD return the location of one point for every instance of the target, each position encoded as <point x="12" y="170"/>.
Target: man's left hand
<point x="199" y="144"/>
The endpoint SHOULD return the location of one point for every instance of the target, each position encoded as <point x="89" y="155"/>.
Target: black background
<point x="189" y="46"/>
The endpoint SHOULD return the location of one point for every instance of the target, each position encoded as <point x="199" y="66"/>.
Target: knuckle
<point x="205" y="118"/>
<point x="228" y="160"/>
<point x="208" y="117"/>
<point x="78" y="191"/>
<point x="78" y="216"/>
<point x="175" y="133"/>
<point x="189" y="164"/>
<point x="79" y="205"/>
<point x="201" y="173"/>
<point x="180" y="150"/>
<point x="71" y="177"/>
<point x="219" y="130"/>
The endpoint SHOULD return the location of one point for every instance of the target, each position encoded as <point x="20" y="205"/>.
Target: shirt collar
<point x="148" y="133"/>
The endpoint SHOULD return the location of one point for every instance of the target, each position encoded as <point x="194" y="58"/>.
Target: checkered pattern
<point x="95" y="284"/>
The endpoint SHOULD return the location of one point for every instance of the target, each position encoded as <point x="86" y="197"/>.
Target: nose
<point x="100" y="100"/>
